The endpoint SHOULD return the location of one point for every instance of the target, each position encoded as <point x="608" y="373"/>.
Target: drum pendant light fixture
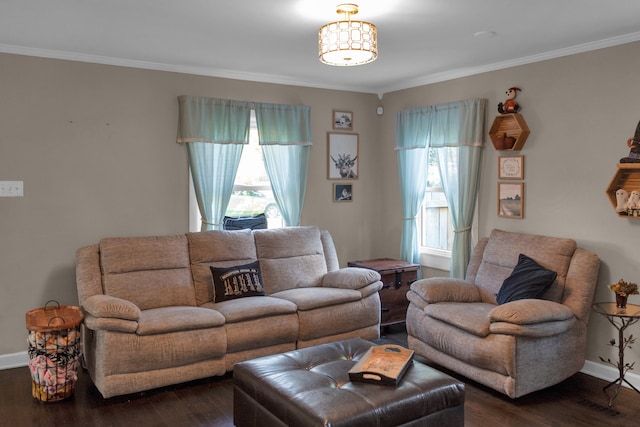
<point x="348" y="42"/>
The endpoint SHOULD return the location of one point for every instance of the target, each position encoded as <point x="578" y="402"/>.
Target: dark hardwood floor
<point x="578" y="401"/>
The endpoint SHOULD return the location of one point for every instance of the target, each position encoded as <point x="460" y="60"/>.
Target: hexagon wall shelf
<point x="512" y="125"/>
<point x="627" y="177"/>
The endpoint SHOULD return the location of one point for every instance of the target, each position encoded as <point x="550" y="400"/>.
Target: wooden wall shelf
<point x="627" y="177"/>
<point x="512" y="125"/>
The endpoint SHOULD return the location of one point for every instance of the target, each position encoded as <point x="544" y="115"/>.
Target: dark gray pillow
<point x="237" y="282"/>
<point x="528" y="280"/>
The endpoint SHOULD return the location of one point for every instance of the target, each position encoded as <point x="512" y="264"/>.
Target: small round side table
<point x="620" y="318"/>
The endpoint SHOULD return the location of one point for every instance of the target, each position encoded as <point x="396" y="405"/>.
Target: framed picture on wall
<point x="510" y="167"/>
<point x="342" y="120"/>
<point x="342" y="192"/>
<point x="342" y="155"/>
<point x="511" y="200"/>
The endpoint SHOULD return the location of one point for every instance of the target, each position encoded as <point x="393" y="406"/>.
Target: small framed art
<point x="342" y="192"/>
<point x="511" y="200"/>
<point x="342" y="155"/>
<point x="510" y="167"/>
<point x="342" y="120"/>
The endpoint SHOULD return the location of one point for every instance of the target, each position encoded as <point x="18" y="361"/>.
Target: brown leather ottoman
<point x="311" y="387"/>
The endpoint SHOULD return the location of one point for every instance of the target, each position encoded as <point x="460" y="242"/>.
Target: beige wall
<point x="581" y="110"/>
<point x="95" y="147"/>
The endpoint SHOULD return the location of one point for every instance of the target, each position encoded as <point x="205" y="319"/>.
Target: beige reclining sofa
<point x="521" y="345"/>
<point x="153" y="316"/>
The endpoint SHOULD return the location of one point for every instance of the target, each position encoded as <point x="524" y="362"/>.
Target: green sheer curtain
<point x="460" y="175"/>
<point x="214" y="131"/>
<point x="412" y="152"/>
<point x="459" y="146"/>
<point x="457" y="131"/>
<point x="285" y="137"/>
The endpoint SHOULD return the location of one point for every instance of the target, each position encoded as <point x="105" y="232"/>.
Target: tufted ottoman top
<point x="311" y="387"/>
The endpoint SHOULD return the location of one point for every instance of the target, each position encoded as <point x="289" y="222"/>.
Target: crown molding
<point x="470" y="71"/>
<point x="182" y="69"/>
<point x="284" y="80"/>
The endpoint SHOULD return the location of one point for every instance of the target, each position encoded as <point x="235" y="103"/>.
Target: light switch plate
<point x="11" y="188"/>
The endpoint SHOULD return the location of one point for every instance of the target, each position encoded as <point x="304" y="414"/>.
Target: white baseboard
<point x="609" y="373"/>
<point x="14" y="360"/>
<point x="598" y="370"/>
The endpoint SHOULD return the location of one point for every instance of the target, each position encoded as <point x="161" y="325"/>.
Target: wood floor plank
<point x="578" y="401"/>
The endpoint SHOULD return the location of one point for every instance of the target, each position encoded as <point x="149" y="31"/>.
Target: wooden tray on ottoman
<point x="382" y="364"/>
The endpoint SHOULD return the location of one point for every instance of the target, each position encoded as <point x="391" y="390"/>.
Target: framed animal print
<point x="342" y="120"/>
<point x="342" y="155"/>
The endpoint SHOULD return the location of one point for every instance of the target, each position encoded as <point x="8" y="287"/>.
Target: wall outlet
<point x="11" y="188"/>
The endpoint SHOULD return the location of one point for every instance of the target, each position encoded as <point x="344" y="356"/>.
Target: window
<point x="434" y="227"/>
<point x="252" y="194"/>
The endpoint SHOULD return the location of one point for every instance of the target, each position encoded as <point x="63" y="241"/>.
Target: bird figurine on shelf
<point x="622" y="197"/>
<point x="510" y="105"/>
<point x="634" y="145"/>
<point x="633" y="202"/>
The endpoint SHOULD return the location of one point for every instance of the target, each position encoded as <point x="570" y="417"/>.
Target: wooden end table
<point x="620" y="318"/>
<point x="397" y="276"/>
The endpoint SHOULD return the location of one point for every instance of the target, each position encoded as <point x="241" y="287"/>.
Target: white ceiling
<point x="420" y="41"/>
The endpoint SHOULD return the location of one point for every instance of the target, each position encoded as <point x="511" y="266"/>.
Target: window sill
<point x="440" y="260"/>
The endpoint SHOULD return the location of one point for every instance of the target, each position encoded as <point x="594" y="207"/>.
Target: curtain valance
<point x="281" y="124"/>
<point x="454" y="124"/>
<point x="222" y="121"/>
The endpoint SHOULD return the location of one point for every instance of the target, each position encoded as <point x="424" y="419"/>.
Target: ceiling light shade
<point x="347" y="42"/>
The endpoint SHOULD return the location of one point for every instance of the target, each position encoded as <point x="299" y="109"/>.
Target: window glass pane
<point x="435" y="221"/>
<point x="251" y="170"/>
<point x="252" y="193"/>
<point x="433" y="175"/>
<point x="436" y="231"/>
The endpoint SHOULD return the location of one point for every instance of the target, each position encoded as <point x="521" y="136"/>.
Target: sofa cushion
<point x="172" y="319"/>
<point x="472" y="317"/>
<point x="312" y="298"/>
<point x="237" y="282"/>
<point x="290" y="257"/>
<point x="528" y="280"/>
<point x="243" y="309"/>
<point x="150" y="271"/>
<point x="220" y="249"/>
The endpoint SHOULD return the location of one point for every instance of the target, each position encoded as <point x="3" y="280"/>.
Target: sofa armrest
<point x="535" y="330"/>
<point x="530" y="311"/>
<point x="370" y="289"/>
<point x="106" y="306"/>
<point x="531" y="318"/>
<point x="416" y="300"/>
<point x="446" y="289"/>
<point x="350" y="278"/>
<point x="110" y="324"/>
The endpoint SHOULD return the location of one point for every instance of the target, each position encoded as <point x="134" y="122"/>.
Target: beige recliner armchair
<point x="521" y="345"/>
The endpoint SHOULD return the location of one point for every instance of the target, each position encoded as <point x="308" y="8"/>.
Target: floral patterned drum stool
<point x="54" y="351"/>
